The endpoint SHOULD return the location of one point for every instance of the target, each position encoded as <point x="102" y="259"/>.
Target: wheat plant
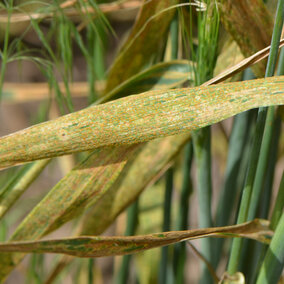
<point x="153" y="123"/>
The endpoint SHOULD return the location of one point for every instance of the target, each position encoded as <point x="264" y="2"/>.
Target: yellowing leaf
<point x="152" y="159"/>
<point x="252" y="37"/>
<point x="109" y="246"/>
<point x="155" y="155"/>
<point x="236" y="278"/>
<point x="139" y="118"/>
<point x="84" y="185"/>
<point x="146" y="36"/>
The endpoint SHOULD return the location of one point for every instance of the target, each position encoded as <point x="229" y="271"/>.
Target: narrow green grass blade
<point x="61" y="100"/>
<point x="169" y="179"/>
<point x="174" y="34"/>
<point x="65" y="46"/>
<point x="254" y="253"/>
<point x="134" y="54"/>
<point x="179" y="257"/>
<point x="63" y="30"/>
<point x="104" y="23"/>
<point x="132" y="219"/>
<point x="267" y="191"/>
<point x="260" y="147"/>
<point x="229" y="190"/>
<point x="53" y="85"/>
<point x="14" y="190"/>
<point x="95" y="58"/>
<point x="4" y="50"/>
<point x="3" y="230"/>
<point x="279" y="205"/>
<point x="36" y="269"/>
<point x="91" y="271"/>
<point x="98" y="246"/>
<point x="273" y="264"/>
<point x="202" y="155"/>
<point x="96" y="45"/>
<point x="99" y="51"/>
<point x="259" y="249"/>
<point x="138" y="118"/>
<point x="280" y="69"/>
<point x="269" y="127"/>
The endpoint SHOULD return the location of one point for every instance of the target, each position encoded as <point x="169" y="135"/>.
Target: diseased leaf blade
<point x="147" y="166"/>
<point x="109" y="246"/>
<point x="155" y="155"/>
<point x="85" y="184"/>
<point x="139" y="118"/>
<point x="97" y="181"/>
<point x="82" y="186"/>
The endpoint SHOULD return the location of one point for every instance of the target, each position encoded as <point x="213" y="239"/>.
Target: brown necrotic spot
<point x="62" y="134"/>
